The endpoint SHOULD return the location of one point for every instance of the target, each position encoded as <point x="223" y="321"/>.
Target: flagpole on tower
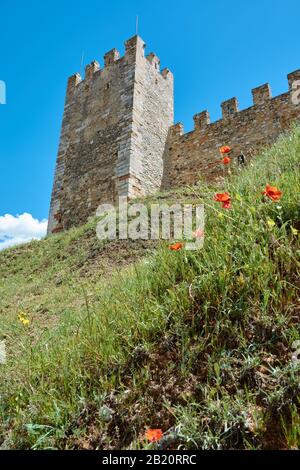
<point x="137" y="25"/>
<point x="81" y="63"/>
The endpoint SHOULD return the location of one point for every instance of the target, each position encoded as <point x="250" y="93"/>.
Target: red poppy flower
<point x="222" y="197"/>
<point x="272" y="192"/>
<point x="225" y="149"/>
<point x="154" y="435"/>
<point x="226" y="160"/>
<point x="226" y="205"/>
<point x="176" y="246"/>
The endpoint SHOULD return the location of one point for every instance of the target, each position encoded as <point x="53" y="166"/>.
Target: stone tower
<point x="113" y="135"/>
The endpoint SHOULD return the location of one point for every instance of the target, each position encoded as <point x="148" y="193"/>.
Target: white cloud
<point x="15" y="230"/>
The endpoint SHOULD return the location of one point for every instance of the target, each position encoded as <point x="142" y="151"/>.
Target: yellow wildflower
<point x="24" y="319"/>
<point x="271" y="223"/>
<point x="241" y="279"/>
<point x="294" y="231"/>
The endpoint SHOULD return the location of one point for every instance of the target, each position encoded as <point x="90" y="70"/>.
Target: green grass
<point x="125" y="336"/>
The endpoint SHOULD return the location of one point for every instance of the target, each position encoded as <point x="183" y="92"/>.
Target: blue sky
<point x="216" y="50"/>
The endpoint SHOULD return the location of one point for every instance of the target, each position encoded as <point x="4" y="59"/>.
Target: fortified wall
<point x="113" y="135"/>
<point x="195" y="155"/>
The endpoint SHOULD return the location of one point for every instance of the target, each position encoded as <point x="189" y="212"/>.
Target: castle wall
<point x="196" y="154"/>
<point x="117" y="137"/>
<point x="113" y="135"/>
<point x="153" y="115"/>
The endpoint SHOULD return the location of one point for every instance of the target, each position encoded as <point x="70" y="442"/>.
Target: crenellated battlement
<point x="229" y="107"/>
<point x="292" y="78"/>
<point x="90" y="69"/>
<point x="167" y="74"/>
<point x="153" y="60"/>
<point x="261" y="96"/>
<point x="201" y="120"/>
<point x="196" y="153"/>
<point x="73" y="81"/>
<point x="134" y="50"/>
<point x="111" y="57"/>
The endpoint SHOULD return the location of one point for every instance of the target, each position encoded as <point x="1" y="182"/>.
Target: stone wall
<point x="196" y="154"/>
<point x="113" y="135"/>
<point x="153" y="114"/>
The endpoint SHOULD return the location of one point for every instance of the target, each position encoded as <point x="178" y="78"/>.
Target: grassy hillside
<point x="105" y="340"/>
